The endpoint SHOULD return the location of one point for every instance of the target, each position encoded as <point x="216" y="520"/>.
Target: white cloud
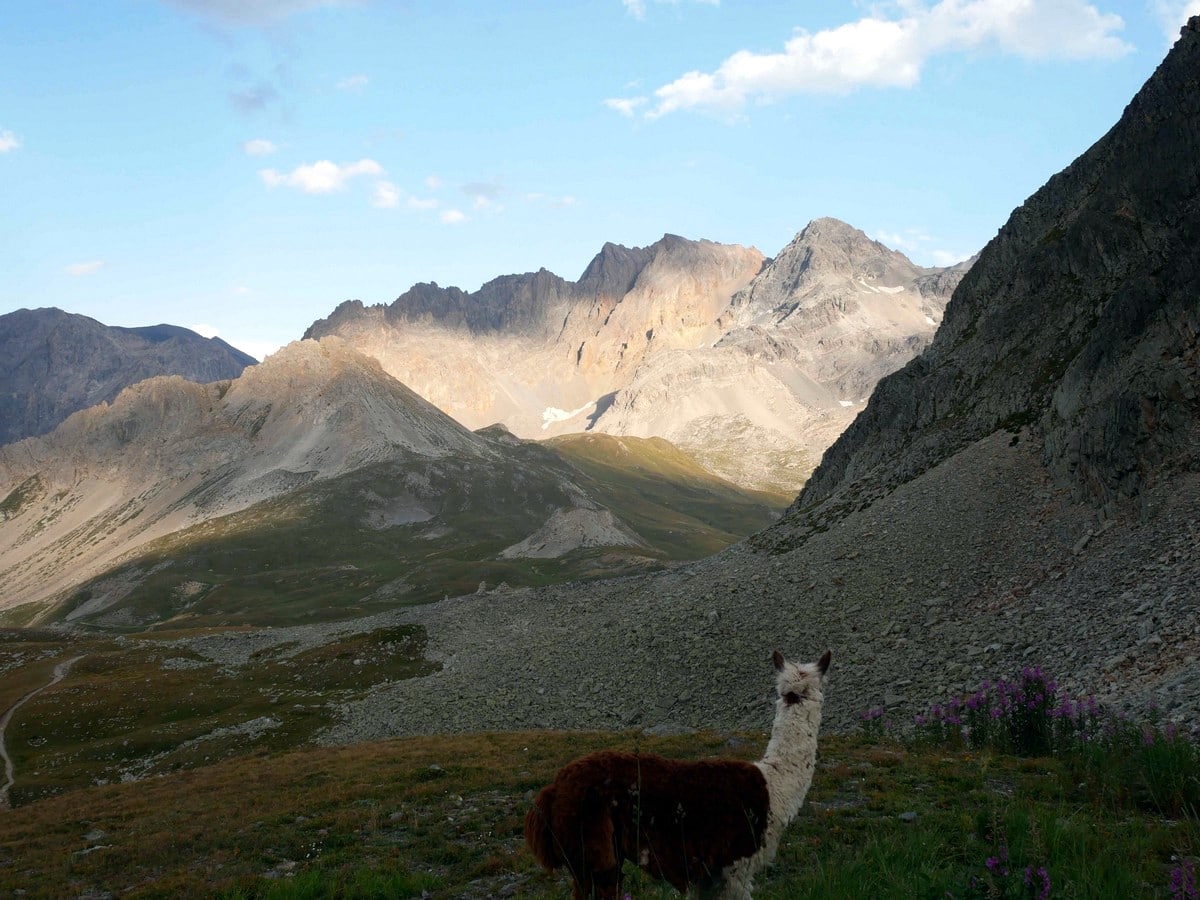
<point x="1173" y="14"/>
<point x="626" y="106"/>
<point x="919" y="246"/>
<point x="322" y="177"/>
<point x="452" y="217"/>
<point x="252" y="12"/>
<point x="433" y="182"/>
<point x="353" y="83"/>
<point x="947" y="257"/>
<point x="259" y="147"/>
<point x="85" y="268"/>
<point x="563" y="202"/>
<point x="882" y="52"/>
<point x="260" y="350"/>
<point x="8" y="141"/>
<point x="386" y="196"/>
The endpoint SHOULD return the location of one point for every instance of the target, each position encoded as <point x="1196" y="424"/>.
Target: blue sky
<point x="243" y="166"/>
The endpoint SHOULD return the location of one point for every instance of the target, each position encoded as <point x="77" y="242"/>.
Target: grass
<point x="143" y="708"/>
<point x="442" y="816"/>
<point x="1054" y="799"/>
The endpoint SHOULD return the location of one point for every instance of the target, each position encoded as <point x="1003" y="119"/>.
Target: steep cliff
<point x="1080" y="320"/>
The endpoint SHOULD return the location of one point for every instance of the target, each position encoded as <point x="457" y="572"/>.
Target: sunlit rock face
<point x="753" y="365"/>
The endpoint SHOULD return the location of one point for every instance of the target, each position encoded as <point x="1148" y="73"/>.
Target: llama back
<point x="684" y="821"/>
<point x="538" y="832"/>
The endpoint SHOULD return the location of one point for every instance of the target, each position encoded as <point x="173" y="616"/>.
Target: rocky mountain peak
<point x="1079" y="320"/>
<point x="54" y="363"/>
<point x="613" y="271"/>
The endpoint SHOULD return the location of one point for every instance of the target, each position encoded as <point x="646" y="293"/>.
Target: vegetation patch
<point x="28" y="491"/>
<point x="926" y="811"/>
<point x="140" y="708"/>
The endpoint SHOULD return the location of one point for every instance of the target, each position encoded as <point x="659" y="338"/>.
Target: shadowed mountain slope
<point x="1080" y="319"/>
<point x="316" y="485"/>
<point x="54" y="363"/>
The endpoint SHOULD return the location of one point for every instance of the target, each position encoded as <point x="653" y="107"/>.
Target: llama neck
<point x="794" y="734"/>
<point x="791" y="757"/>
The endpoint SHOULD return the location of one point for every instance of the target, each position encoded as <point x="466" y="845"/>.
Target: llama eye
<point x="791" y="698"/>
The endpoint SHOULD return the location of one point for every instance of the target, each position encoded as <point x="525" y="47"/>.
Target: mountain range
<point x="54" y="363"/>
<point x="738" y="360"/>
<point x="313" y="461"/>
<point x="1021" y="491"/>
<point x="751" y="365"/>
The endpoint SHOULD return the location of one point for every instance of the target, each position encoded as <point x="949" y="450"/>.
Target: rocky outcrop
<point x="539" y="353"/>
<point x="578" y="528"/>
<point x="1080" y="319"/>
<point x="801" y="348"/>
<point x="54" y="363"/>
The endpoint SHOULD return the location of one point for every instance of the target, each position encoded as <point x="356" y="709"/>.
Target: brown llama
<point x="707" y="824"/>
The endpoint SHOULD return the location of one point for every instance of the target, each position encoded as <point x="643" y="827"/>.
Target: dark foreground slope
<point x="1081" y="319"/>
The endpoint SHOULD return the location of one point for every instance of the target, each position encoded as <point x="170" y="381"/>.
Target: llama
<point x="707" y="824"/>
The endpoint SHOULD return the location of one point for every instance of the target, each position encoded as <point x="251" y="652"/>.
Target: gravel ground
<point x="972" y="570"/>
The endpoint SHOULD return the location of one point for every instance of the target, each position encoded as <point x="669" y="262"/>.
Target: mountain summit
<point x="752" y="365"/>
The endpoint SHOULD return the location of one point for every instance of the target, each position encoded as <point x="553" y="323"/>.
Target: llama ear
<point x="823" y="662"/>
<point x="777" y="658"/>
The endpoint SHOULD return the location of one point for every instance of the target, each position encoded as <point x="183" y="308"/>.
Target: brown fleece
<point x="679" y="820"/>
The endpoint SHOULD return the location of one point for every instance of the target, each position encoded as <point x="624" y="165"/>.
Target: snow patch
<point x="552" y="414"/>
<point x="929" y="319"/>
<point x="845" y="402"/>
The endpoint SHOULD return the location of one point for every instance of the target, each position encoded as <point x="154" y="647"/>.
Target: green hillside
<point x="416" y="530"/>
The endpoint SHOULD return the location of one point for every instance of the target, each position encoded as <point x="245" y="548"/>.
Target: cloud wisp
<point x="1173" y="14"/>
<point x="8" y="141"/>
<point x="386" y="195"/>
<point x="85" y="268"/>
<point x="637" y="8"/>
<point x="259" y="147"/>
<point x="321" y="177"/>
<point x="251" y="12"/>
<point x="877" y="52"/>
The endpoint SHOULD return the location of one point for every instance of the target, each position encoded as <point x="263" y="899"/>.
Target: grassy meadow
<point x="1106" y="808"/>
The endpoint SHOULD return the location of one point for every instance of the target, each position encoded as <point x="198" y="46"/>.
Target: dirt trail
<point x="60" y="672"/>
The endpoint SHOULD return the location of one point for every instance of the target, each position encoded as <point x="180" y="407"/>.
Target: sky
<point x="241" y="167"/>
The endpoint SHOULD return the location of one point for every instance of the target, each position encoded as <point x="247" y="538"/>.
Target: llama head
<point x="797" y="682"/>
